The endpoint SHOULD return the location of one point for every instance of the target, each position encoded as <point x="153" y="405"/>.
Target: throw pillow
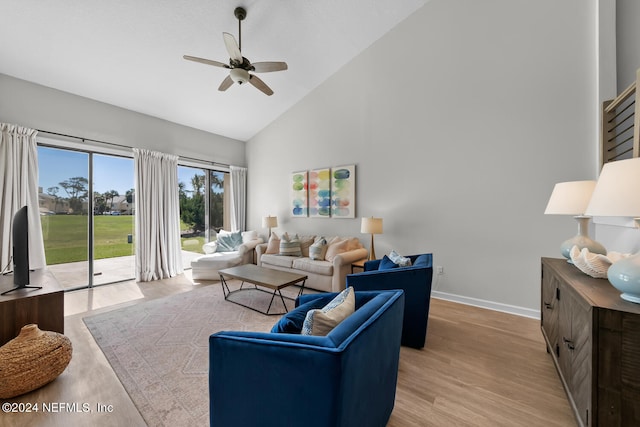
<point x="399" y="259"/>
<point x="335" y="249"/>
<point x="386" y="264"/>
<point x="290" y="246"/>
<point x="305" y="243"/>
<point x="248" y="236"/>
<point x="320" y="322"/>
<point x="421" y="261"/>
<point x="353" y="243"/>
<point x="318" y="250"/>
<point x="210" y="247"/>
<point x="273" y="247"/>
<point x="291" y="323"/>
<point x="229" y="242"/>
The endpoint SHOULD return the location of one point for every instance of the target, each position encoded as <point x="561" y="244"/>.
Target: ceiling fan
<point x="238" y="64"/>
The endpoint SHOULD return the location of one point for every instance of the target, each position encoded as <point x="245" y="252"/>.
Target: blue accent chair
<point x="345" y="378"/>
<point x="415" y="281"/>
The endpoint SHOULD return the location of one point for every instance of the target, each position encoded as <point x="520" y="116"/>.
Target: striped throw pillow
<point x="290" y="246"/>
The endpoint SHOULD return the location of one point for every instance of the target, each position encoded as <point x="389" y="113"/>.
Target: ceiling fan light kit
<point x="239" y="75"/>
<point x="240" y="66"/>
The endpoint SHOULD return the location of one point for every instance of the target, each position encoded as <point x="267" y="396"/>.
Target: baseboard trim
<point x="491" y="305"/>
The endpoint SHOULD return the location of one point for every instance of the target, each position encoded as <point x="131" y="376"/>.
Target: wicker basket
<point x="32" y="359"/>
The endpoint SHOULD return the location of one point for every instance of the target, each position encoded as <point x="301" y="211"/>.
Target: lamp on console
<point x="617" y="193"/>
<point x="572" y="198"/>
<point x="371" y="226"/>
<point x="269" y="222"/>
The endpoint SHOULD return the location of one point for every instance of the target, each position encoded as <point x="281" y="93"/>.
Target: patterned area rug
<point x="159" y="349"/>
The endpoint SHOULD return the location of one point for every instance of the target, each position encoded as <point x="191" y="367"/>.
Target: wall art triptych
<point x="324" y="193"/>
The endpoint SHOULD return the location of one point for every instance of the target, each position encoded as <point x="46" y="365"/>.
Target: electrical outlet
<point x="440" y="270"/>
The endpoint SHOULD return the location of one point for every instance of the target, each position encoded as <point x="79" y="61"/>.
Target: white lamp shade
<point x="269" y="222"/>
<point x="371" y="225"/>
<point x="570" y="198"/>
<point x="618" y="190"/>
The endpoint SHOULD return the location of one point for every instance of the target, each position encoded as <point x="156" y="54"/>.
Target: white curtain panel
<point x="158" y="249"/>
<point x="238" y="198"/>
<point x="18" y="188"/>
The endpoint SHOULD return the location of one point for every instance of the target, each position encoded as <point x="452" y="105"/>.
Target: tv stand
<point x="44" y="307"/>
<point x="21" y="287"/>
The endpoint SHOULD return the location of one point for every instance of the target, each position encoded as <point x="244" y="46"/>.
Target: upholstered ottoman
<point x="206" y="267"/>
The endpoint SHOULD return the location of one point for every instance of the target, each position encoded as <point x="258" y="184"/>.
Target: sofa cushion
<point x="291" y="323"/>
<point x="290" y="246"/>
<point x="278" y="260"/>
<point x="273" y="246"/>
<point x="318" y="249"/>
<point x="322" y="267"/>
<point x="229" y="242"/>
<point x="320" y="322"/>
<point x="387" y="264"/>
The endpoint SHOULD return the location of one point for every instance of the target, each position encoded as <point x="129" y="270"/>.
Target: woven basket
<point x="32" y="359"/>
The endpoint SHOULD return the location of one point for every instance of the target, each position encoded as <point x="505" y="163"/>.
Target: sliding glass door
<point x="113" y="219"/>
<point x="201" y="191"/>
<point x="88" y="239"/>
<point x="63" y="199"/>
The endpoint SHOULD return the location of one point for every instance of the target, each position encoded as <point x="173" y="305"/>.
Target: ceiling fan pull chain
<point x="240" y="34"/>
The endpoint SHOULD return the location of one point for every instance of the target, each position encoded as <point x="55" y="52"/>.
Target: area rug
<point x="159" y="349"/>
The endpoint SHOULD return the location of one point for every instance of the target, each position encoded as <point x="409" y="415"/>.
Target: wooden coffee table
<point x="260" y="276"/>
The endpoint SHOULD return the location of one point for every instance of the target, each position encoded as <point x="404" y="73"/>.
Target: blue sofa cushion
<point x="387" y="264"/>
<point x="291" y="323"/>
<point x="422" y="261"/>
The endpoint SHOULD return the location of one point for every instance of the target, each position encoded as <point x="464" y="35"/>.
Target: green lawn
<point x="65" y="237"/>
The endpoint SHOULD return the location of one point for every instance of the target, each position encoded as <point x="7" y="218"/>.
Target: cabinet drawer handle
<point x="569" y="343"/>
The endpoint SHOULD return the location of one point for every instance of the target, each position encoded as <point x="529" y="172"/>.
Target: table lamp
<point x="617" y="193"/>
<point x="371" y="226"/>
<point x="572" y="198"/>
<point x="269" y="222"/>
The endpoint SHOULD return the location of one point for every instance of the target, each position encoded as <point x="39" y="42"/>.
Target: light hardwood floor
<point x="479" y="368"/>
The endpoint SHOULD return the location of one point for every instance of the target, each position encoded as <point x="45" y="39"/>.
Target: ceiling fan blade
<point x="254" y="80"/>
<point x="205" y="61"/>
<point x="226" y="83"/>
<point x="232" y="47"/>
<point x="267" y="67"/>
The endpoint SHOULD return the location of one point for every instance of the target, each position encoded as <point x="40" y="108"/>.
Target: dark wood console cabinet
<point x="593" y="337"/>
<point x="44" y="307"/>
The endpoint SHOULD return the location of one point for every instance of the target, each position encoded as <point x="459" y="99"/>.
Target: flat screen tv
<point x="20" y="234"/>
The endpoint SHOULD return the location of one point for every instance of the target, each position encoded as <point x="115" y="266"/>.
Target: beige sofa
<point x="327" y="275"/>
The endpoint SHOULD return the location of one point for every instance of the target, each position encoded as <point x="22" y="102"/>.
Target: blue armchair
<point x="415" y="281"/>
<point x="345" y="378"/>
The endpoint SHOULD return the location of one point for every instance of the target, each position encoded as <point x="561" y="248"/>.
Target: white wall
<point x="460" y="121"/>
<point x="39" y="107"/>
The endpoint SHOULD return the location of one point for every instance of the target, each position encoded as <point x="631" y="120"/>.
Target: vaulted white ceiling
<point x="129" y="52"/>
